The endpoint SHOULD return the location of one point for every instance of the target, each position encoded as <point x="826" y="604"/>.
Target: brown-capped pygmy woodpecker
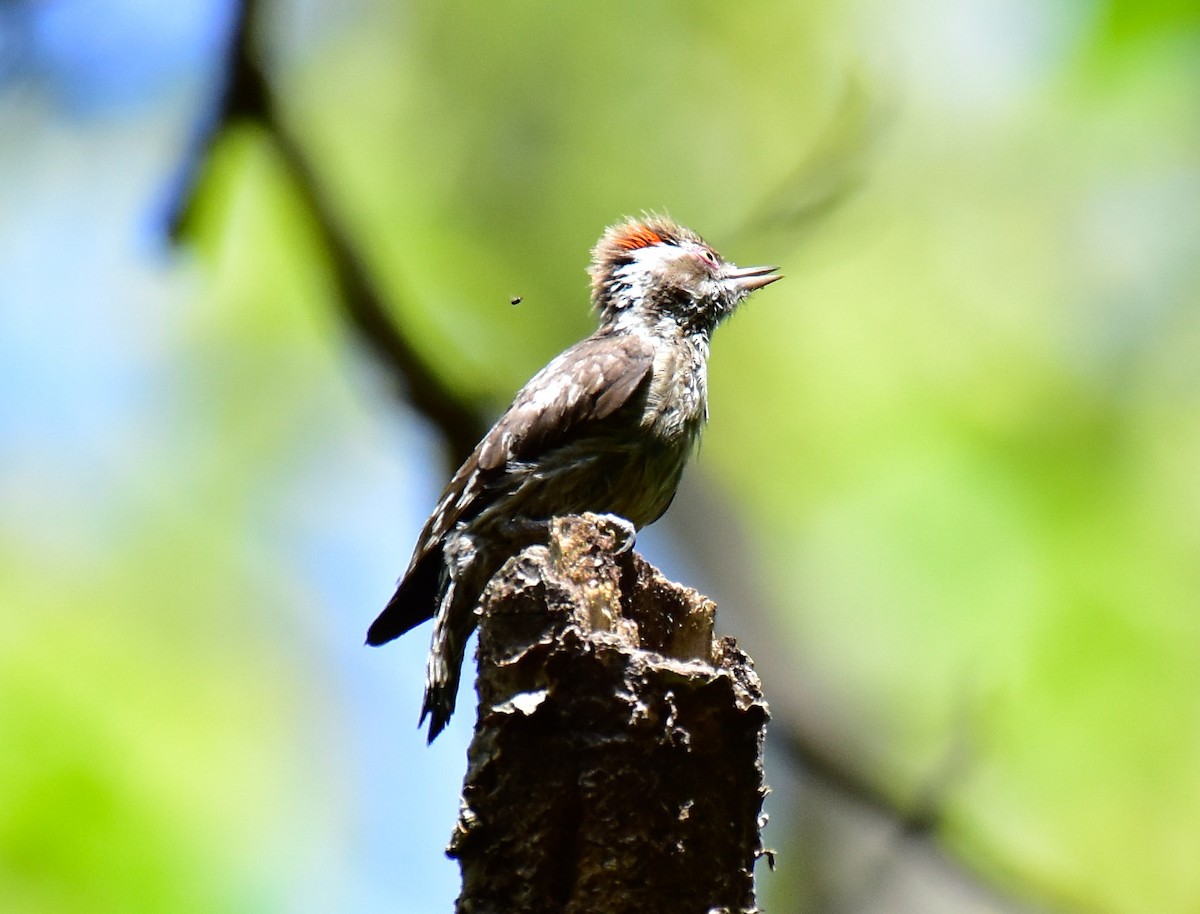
<point x="606" y="427"/>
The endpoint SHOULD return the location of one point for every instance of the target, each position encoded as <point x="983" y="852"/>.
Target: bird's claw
<point x="624" y="533"/>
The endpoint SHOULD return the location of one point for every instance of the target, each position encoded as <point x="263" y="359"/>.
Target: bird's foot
<point x="624" y="532"/>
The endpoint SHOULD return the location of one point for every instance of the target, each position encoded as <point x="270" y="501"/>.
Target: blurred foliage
<point x="966" y="425"/>
<point x="965" y="430"/>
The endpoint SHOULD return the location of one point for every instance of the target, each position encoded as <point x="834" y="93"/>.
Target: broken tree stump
<point x="616" y="764"/>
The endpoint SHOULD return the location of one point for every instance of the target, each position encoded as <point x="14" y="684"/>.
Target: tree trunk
<point x="617" y="759"/>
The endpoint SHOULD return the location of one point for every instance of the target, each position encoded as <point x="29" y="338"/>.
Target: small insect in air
<point x="515" y="300"/>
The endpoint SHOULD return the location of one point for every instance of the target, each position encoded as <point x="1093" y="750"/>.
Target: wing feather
<point x="585" y="385"/>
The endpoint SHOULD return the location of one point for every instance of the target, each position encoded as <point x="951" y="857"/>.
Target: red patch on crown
<point x="637" y="236"/>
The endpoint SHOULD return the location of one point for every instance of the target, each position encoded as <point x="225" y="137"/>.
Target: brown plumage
<point x="606" y="427"/>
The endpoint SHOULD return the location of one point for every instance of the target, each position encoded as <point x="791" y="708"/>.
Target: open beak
<point x="747" y="279"/>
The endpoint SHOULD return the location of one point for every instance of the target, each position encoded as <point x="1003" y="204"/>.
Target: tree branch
<point x="246" y="96"/>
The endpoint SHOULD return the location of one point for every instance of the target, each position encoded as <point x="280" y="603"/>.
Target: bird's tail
<point x="413" y="602"/>
<point x="452" y="626"/>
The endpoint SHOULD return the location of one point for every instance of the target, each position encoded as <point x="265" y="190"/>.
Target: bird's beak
<point x="747" y="279"/>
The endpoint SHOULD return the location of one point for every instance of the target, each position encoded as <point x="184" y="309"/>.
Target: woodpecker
<point x="606" y="427"/>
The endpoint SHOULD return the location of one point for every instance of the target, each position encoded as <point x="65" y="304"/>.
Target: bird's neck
<point x="657" y="327"/>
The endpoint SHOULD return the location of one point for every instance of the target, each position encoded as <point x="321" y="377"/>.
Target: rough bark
<point x="617" y="759"/>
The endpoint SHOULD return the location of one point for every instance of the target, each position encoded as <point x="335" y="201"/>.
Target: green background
<point x="955" y="452"/>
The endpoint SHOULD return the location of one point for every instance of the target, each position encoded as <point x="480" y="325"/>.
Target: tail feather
<point x="443" y="585"/>
<point x="414" y="601"/>
<point x="440" y="698"/>
<point x="452" y="626"/>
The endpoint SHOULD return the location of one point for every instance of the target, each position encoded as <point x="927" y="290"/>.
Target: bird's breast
<point x="676" y="405"/>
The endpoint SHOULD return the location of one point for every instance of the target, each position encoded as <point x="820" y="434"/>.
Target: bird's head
<point x="651" y="269"/>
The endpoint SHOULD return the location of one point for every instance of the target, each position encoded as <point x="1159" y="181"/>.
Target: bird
<point x="606" y="427"/>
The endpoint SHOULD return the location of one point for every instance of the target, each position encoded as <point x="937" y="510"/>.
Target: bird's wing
<point x="584" y="385"/>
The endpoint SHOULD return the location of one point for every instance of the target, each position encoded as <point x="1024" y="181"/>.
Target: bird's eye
<point x="708" y="257"/>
